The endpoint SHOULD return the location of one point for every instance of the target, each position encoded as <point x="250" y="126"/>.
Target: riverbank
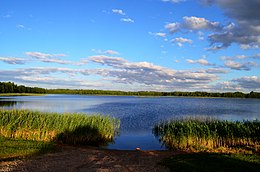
<point x="71" y="158"/>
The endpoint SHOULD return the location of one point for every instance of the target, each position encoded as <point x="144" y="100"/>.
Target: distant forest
<point x="10" y="87"/>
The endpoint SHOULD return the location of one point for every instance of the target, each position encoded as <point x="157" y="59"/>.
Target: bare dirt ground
<point x="91" y="159"/>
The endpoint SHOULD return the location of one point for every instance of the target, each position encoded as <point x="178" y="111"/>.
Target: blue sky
<point x="133" y="45"/>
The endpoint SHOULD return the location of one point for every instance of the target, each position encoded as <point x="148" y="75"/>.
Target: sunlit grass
<point x="209" y="134"/>
<point x="17" y="148"/>
<point x="65" y="128"/>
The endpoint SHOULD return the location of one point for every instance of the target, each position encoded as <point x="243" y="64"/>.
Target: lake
<point x="138" y="115"/>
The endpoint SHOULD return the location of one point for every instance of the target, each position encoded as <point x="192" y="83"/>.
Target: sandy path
<point x="91" y="159"/>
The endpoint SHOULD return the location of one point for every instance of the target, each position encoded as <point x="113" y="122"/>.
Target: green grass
<point x="16" y="148"/>
<point x="65" y="128"/>
<point x="208" y="134"/>
<point x="215" y="162"/>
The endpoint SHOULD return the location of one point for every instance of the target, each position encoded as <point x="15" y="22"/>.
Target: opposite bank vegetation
<point x="10" y="87"/>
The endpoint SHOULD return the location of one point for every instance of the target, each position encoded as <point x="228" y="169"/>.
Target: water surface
<point x="138" y="115"/>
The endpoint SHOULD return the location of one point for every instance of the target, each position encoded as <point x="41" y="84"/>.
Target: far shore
<point x="20" y="94"/>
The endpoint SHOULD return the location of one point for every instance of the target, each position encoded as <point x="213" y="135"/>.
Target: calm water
<point x="138" y="115"/>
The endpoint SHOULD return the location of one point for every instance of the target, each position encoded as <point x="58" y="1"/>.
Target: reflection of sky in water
<point x="139" y="114"/>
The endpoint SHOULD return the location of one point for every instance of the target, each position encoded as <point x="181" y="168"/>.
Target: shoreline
<point x="88" y="158"/>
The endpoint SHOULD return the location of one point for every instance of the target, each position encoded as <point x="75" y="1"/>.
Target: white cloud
<point x="196" y="23"/>
<point x="129" y="20"/>
<point x="239" y="66"/>
<point x="200" y="61"/>
<point x="118" y="11"/>
<point x="20" y="26"/>
<point x="245" y="84"/>
<point x="160" y="34"/>
<point x="173" y="27"/>
<point x="245" y="29"/>
<point x="173" y="1"/>
<point x="249" y="82"/>
<point x="51" y="58"/>
<point x="242" y="29"/>
<point x="226" y="86"/>
<point x="193" y="23"/>
<point x="13" y="60"/>
<point x="216" y="70"/>
<point x="181" y="40"/>
<point x="111" y="52"/>
<point x="40" y="55"/>
<point x="126" y="72"/>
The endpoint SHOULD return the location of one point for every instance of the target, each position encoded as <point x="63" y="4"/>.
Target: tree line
<point x="154" y="93"/>
<point x="9" y="87"/>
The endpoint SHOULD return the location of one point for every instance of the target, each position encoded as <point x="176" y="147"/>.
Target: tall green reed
<point x="66" y="128"/>
<point x="207" y="133"/>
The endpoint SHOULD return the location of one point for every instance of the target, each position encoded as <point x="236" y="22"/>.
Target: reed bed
<point x="208" y="133"/>
<point x="65" y="128"/>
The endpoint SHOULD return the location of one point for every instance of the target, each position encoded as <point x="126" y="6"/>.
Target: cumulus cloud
<point x="13" y="60"/>
<point x="128" y="20"/>
<point x="196" y="23"/>
<point x="126" y="72"/>
<point x="245" y="84"/>
<point x="173" y="27"/>
<point x="246" y="31"/>
<point x="200" y="61"/>
<point x="240" y="66"/>
<point x="118" y="11"/>
<point x="192" y="24"/>
<point x="249" y="82"/>
<point x="181" y="40"/>
<point x="242" y="29"/>
<point x="226" y="86"/>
